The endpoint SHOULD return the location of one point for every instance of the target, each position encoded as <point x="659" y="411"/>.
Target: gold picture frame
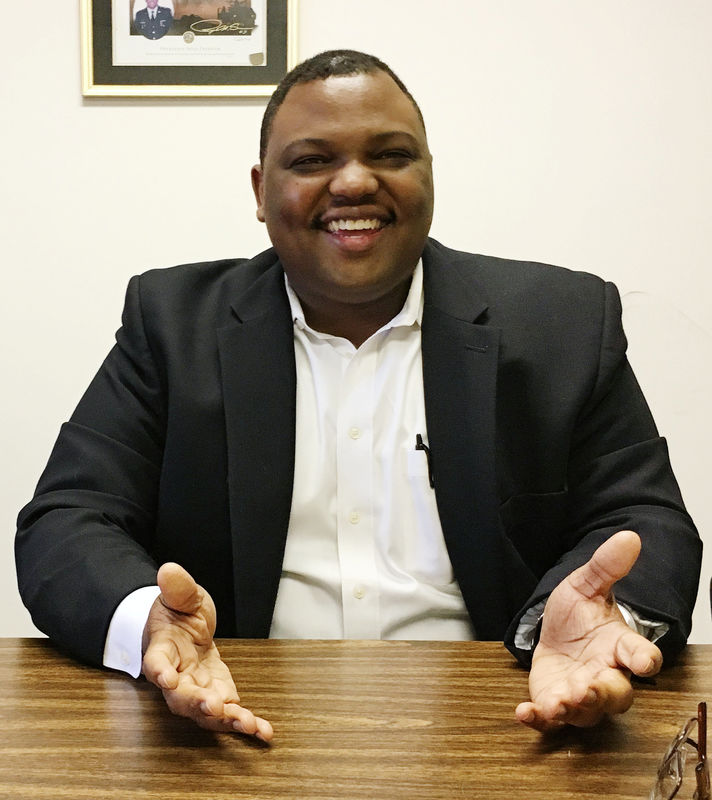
<point x="243" y="48"/>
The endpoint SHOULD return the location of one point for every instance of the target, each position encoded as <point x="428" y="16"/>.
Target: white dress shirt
<point x="365" y="556"/>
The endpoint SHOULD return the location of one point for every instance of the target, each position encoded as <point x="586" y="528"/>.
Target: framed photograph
<point x="188" y="48"/>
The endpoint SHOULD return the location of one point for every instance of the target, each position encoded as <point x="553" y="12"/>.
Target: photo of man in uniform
<point x="153" y="21"/>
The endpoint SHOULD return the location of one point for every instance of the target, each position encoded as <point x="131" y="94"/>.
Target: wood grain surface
<point x="352" y="720"/>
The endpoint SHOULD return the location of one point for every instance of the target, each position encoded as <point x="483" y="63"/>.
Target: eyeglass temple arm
<point x="701" y="772"/>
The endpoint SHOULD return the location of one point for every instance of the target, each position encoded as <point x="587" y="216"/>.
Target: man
<point x="362" y="433"/>
<point x="154" y="21"/>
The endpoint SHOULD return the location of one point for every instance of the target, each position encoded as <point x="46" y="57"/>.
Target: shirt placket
<point x="354" y="496"/>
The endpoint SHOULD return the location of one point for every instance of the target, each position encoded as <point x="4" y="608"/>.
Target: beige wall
<point x="578" y="133"/>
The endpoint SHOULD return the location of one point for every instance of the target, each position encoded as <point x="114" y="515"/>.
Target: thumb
<point x="179" y="591"/>
<point x="612" y="561"/>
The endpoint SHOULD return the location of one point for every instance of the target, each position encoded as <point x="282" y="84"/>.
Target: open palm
<point x="582" y="664"/>
<point x="181" y="658"/>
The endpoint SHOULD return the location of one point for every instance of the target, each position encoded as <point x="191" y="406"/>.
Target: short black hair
<point x="320" y="67"/>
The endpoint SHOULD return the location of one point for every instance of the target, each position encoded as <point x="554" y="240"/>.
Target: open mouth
<point x="359" y="225"/>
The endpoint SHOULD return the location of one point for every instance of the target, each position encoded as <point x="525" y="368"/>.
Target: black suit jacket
<point x="183" y="449"/>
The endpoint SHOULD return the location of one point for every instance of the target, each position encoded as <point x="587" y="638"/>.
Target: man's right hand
<point x="180" y="657"/>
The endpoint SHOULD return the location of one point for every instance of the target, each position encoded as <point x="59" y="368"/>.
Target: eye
<point x="396" y="157"/>
<point x="308" y="163"/>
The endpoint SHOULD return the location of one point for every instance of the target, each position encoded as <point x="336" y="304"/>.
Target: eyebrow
<point x="307" y="141"/>
<point x="316" y="141"/>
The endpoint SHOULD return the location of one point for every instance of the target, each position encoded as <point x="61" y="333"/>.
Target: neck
<point x="354" y="321"/>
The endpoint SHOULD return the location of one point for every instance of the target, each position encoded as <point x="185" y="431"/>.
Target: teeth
<point x="353" y="225"/>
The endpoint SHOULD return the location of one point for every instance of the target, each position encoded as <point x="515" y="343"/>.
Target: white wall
<point x="578" y="133"/>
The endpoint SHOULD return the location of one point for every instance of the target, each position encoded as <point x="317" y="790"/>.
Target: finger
<point x="197" y="704"/>
<point x="610" y="694"/>
<point x="193" y="697"/>
<point x="159" y="666"/>
<point x="582" y="702"/>
<point x="613" y="695"/>
<point x="179" y="591"/>
<point x="636" y="653"/>
<point x="211" y="696"/>
<point x="243" y="720"/>
<point x="612" y="561"/>
<point x="528" y="715"/>
<point x="525" y="712"/>
<point x="209" y="713"/>
<point x="257" y="727"/>
<point x="232" y="717"/>
<point x="265" y="732"/>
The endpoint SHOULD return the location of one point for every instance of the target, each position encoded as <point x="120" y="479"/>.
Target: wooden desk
<point x="352" y="720"/>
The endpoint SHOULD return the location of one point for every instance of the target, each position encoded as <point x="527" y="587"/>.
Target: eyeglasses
<point x="672" y="767"/>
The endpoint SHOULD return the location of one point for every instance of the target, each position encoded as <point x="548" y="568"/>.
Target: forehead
<point x="360" y="104"/>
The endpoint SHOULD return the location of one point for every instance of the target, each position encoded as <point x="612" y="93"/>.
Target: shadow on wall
<point x="671" y="354"/>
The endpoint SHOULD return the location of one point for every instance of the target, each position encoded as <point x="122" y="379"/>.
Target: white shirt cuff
<point x="122" y="649"/>
<point x="652" y="630"/>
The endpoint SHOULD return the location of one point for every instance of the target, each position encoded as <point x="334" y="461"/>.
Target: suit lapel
<point x="460" y="357"/>
<point x="259" y="387"/>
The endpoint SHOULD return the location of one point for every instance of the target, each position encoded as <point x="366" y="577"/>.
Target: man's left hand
<point x="581" y="667"/>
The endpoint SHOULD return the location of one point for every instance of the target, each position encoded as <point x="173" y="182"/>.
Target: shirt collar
<point x="411" y="314"/>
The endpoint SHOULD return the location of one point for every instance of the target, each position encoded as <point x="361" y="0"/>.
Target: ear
<point x="258" y="189"/>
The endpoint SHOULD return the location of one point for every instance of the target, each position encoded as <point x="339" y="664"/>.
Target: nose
<point x="353" y="180"/>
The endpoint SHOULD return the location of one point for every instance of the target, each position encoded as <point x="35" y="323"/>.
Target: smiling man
<point x="346" y="190"/>
<point x="360" y="433"/>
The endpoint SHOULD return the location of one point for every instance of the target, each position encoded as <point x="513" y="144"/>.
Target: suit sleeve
<point x="620" y="477"/>
<point x="83" y="542"/>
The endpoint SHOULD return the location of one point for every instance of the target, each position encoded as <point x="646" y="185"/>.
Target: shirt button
<point x="354" y="517"/>
<point x="125" y="660"/>
<point x="359" y="592"/>
<point x="355" y="433"/>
